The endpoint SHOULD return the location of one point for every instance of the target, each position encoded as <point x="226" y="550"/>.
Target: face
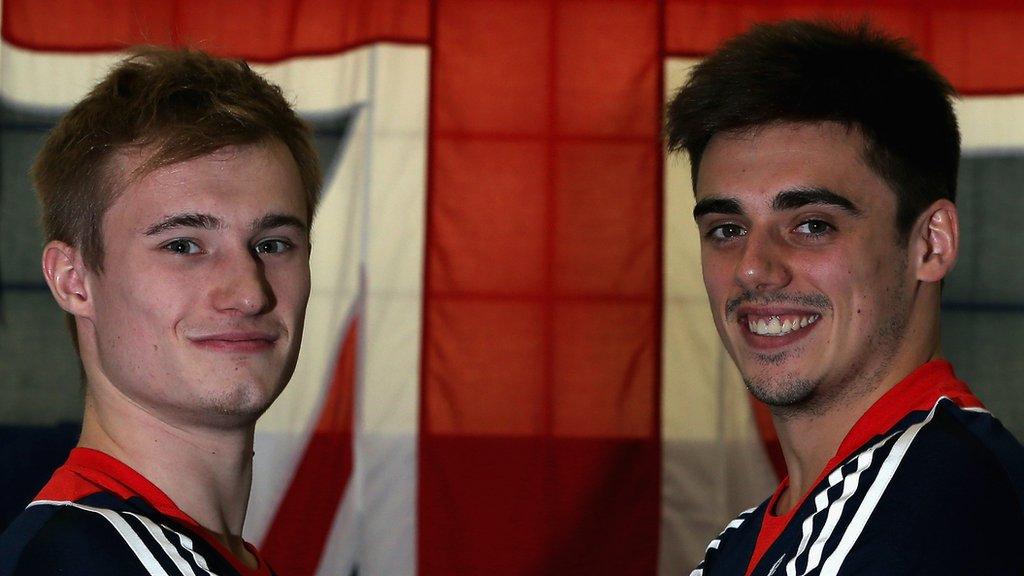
<point x="808" y="283"/>
<point x="197" y="315"/>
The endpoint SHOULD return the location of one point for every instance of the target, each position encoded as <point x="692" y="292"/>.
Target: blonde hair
<point x="178" y="105"/>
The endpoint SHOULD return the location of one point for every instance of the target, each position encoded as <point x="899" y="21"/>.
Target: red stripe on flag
<point x="540" y="430"/>
<point x="969" y="41"/>
<point x="256" y="31"/>
<point x="298" y="534"/>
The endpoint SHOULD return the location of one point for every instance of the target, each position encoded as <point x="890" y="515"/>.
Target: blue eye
<point x="275" y="246"/>
<point x="182" y="246"/>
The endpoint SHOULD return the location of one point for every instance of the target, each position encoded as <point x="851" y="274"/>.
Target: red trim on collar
<point x="87" y="472"/>
<point x="920" y="390"/>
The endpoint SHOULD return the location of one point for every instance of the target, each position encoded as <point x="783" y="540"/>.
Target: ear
<point x="936" y="241"/>
<point x="65" y="271"/>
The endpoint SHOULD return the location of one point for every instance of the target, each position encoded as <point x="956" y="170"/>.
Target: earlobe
<point x="939" y="239"/>
<point x="64" y="271"/>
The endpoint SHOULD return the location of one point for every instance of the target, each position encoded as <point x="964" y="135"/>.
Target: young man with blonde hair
<point x="177" y="201"/>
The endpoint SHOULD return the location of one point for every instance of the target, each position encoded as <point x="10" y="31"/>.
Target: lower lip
<point x="235" y="345"/>
<point x="772" y="342"/>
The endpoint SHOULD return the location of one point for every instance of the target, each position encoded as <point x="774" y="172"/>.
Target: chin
<point x="239" y="403"/>
<point x="781" y="394"/>
<point x="233" y="416"/>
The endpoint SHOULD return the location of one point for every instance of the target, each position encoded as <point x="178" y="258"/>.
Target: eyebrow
<point x="204" y="221"/>
<point x="276" y="221"/>
<point x="785" y="200"/>
<point x="800" y="197"/>
<point x="208" y="222"/>
<point x="716" y="206"/>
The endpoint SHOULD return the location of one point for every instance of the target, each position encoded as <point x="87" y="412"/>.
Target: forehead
<point x="234" y="181"/>
<point x="752" y="166"/>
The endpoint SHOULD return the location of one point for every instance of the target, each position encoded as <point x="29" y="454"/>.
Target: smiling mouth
<point x="237" y="341"/>
<point x="779" y="325"/>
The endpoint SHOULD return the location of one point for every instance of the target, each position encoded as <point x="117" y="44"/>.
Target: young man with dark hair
<point x="177" y="200"/>
<point x="824" y="163"/>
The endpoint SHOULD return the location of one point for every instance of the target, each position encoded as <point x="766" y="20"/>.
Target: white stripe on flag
<point x="378" y="188"/>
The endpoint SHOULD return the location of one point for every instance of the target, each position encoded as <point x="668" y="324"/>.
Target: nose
<point x="762" y="266"/>
<point x="241" y="287"/>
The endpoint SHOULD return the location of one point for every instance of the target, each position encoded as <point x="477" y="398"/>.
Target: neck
<point x="810" y="435"/>
<point x="206" y="472"/>
<point x="810" y="440"/>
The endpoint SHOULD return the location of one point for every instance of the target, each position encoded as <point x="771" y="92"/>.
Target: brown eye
<point x="815" y="227"/>
<point x="726" y="231"/>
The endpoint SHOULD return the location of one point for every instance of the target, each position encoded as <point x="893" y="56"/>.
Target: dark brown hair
<point x="796" y="71"/>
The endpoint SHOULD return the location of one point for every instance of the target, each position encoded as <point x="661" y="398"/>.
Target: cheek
<point x="124" y="327"/>
<point x="290" y="287"/>
<point x="718" y="275"/>
<point x="859" y="283"/>
<point x="839" y="271"/>
<point x="144" y="302"/>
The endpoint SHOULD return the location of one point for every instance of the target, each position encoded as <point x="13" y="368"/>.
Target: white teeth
<point x="777" y="327"/>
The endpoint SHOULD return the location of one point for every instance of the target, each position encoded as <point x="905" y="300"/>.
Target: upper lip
<point x="750" y="310"/>
<point x="236" y="336"/>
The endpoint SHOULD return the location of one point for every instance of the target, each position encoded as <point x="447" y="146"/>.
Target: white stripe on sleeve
<point x="166" y="546"/>
<point x="874" y="494"/>
<point x="129" y="535"/>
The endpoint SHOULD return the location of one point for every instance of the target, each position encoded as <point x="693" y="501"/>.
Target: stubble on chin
<point x="247" y="392"/>
<point x="234" y="406"/>
<point x="783" y="394"/>
<point x="788" y="398"/>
